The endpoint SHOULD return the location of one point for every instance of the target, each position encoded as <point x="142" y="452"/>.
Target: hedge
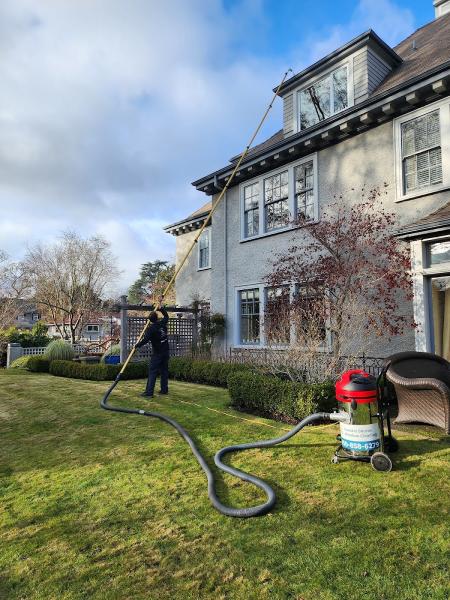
<point x="272" y="397"/>
<point x="37" y="364"/>
<point x="203" y="371"/>
<point x="96" y="372"/>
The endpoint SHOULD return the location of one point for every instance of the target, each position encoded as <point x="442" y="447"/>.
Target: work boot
<point x="163" y="393"/>
<point x="145" y="395"/>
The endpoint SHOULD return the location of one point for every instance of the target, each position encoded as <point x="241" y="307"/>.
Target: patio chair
<point x="422" y="385"/>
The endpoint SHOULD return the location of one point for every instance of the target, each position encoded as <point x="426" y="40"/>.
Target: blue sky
<point x="109" y="109"/>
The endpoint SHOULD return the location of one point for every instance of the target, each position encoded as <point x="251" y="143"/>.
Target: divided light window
<point x="277" y="313"/>
<point x="421" y="152"/>
<point x="276" y="208"/>
<point x="304" y="191"/>
<point x="324" y="98"/>
<point x="249" y="316"/>
<point x="251" y="210"/>
<point x="203" y="250"/>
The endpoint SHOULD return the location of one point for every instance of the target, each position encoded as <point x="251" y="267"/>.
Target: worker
<point x="159" y="360"/>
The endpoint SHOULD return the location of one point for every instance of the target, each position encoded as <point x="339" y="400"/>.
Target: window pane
<point x="340" y="89"/>
<point x="277" y="310"/>
<point x="438" y="253"/>
<point x="315" y="103"/>
<point x="304" y="190"/>
<point x="251" y="212"/>
<point x="249" y="321"/>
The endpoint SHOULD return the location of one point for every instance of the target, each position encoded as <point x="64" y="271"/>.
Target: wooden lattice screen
<point x="182" y="334"/>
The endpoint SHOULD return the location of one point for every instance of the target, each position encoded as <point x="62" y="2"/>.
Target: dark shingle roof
<point x="203" y="211"/>
<point x="432" y="42"/>
<point x="437" y="219"/>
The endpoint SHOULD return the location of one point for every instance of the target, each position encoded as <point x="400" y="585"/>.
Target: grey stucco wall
<point x="366" y="159"/>
<point x="191" y="284"/>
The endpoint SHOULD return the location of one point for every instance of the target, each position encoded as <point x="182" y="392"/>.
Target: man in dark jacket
<point x="159" y="361"/>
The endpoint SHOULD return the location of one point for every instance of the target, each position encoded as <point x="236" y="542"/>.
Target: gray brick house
<point x="363" y="115"/>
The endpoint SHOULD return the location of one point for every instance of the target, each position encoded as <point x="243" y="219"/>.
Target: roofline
<point x="346" y="114"/>
<point x="425" y="229"/>
<point x="187" y="220"/>
<point x="366" y="36"/>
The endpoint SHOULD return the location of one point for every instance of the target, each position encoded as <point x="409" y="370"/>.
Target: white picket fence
<point x="15" y="351"/>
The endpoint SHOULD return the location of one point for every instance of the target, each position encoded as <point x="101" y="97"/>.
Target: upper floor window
<point x="204" y="250"/>
<point x="276" y="209"/>
<point x="422" y="151"/>
<point x="326" y="97"/>
<point x="251" y="210"/>
<point x="92" y="328"/>
<point x="271" y="202"/>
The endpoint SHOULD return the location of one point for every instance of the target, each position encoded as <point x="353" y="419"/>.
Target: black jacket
<point x="157" y="335"/>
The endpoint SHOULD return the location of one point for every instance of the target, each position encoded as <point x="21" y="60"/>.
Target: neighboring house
<point x="94" y="330"/>
<point x="366" y="114"/>
<point x="27" y="314"/>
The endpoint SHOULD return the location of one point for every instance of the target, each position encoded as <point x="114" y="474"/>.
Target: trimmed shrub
<point x="59" y="350"/>
<point x="202" y="371"/>
<point x="38" y="364"/>
<point x="20" y="363"/>
<point x="114" y="350"/>
<point x="97" y="372"/>
<point x="272" y="397"/>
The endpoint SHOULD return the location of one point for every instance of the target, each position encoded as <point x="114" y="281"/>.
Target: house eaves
<point x="375" y="110"/>
<point x="188" y="224"/>
<point x="368" y="38"/>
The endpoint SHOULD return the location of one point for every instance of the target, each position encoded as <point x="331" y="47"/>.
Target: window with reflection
<point x="276" y="205"/>
<point x="438" y="253"/>
<point x="276" y="317"/>
<point x="249" y="316"/>
<point x="324" y="98"/>
<point x="251" y="210"/>
<point x="304" y="191"/>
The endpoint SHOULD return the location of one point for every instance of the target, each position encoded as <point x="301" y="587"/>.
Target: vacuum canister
<point x="356" y="393"/>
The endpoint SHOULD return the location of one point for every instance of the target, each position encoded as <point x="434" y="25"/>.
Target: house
<point x="95" y="329"/>
<point x="365" y="114"/>
<point x="27" y="314"/>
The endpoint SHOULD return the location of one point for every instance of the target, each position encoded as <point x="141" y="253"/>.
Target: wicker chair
<point x="422" y="385"/>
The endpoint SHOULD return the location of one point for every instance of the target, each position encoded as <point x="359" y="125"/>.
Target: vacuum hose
<point x="254" y="511"/>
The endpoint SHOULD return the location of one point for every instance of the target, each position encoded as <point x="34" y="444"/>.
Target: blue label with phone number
<point x="362" y="446"/>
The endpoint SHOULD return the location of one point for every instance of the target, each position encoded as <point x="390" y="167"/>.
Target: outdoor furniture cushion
<point x="422" y="385"/>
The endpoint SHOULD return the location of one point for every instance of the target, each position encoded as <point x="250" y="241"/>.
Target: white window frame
<point x="444" y="119"/>
<point x="291" y="197"/>
<point x="199" y="268"/>
<point x="348" y="63"/>
<point x="327" y="346"/>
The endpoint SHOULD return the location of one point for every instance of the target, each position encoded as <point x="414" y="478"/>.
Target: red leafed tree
<point x="352" y="275"/>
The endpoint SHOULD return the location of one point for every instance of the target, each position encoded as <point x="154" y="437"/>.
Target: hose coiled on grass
<point x="253" y="511"/>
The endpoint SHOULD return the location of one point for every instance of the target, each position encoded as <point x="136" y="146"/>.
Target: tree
<point x="153" y="279"/>
<point x="69" y="279"/>
<point x="352" y="276"/>
<point x="14" y="286"/>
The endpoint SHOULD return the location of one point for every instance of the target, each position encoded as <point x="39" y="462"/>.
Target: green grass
<point x="97" y="505"/>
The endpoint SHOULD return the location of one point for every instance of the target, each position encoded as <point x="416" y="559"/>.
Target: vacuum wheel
<point x="335" y="460"/>
<point x="381" y="462"/>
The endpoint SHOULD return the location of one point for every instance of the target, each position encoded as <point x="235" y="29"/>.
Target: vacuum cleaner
<point x="361" y="415"/>
<point x="361" y="396"/>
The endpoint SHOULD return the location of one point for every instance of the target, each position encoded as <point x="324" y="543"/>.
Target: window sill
<point x="203" y="268"/>
<point x="277" y="231"/>
<point x="424" y="192"/>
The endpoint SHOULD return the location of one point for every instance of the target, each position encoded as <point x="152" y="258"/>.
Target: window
<point x="310" y="310"/>
<point x="324" y="98"/>
<point x="204" y="250"/>
<point x="92" y="328"/>
<point x="422" y="142"/>
<point x="421" y="152"/>
<point x="277" y="311"/>
<point x="251" y="210"/>
<point x="304" y="191"/>
<point x="271" y="201"/>
<point x="276" y="209"/>
<point x="249" y="316"/>
<point x="438" y="253"/>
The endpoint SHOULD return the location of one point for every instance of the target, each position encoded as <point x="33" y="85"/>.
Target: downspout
<point x="225" y="304"/>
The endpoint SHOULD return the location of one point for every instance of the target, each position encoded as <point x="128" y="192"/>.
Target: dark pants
<point x="158" y="365"/>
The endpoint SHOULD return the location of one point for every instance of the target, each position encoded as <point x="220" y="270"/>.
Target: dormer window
<point x="326" y="97"/>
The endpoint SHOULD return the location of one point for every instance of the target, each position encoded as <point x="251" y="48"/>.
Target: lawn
<point x="107" y="506"/>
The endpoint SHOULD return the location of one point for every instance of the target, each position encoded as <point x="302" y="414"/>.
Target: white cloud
<point x="109" y="109"/>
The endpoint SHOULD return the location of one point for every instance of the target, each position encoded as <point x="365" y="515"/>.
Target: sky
<point x="109" y="109"/>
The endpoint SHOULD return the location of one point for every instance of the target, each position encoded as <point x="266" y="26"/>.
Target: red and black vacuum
<point x="363" y="437"/>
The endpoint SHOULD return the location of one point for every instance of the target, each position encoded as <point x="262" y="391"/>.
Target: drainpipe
<point x="225" y="204"/>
